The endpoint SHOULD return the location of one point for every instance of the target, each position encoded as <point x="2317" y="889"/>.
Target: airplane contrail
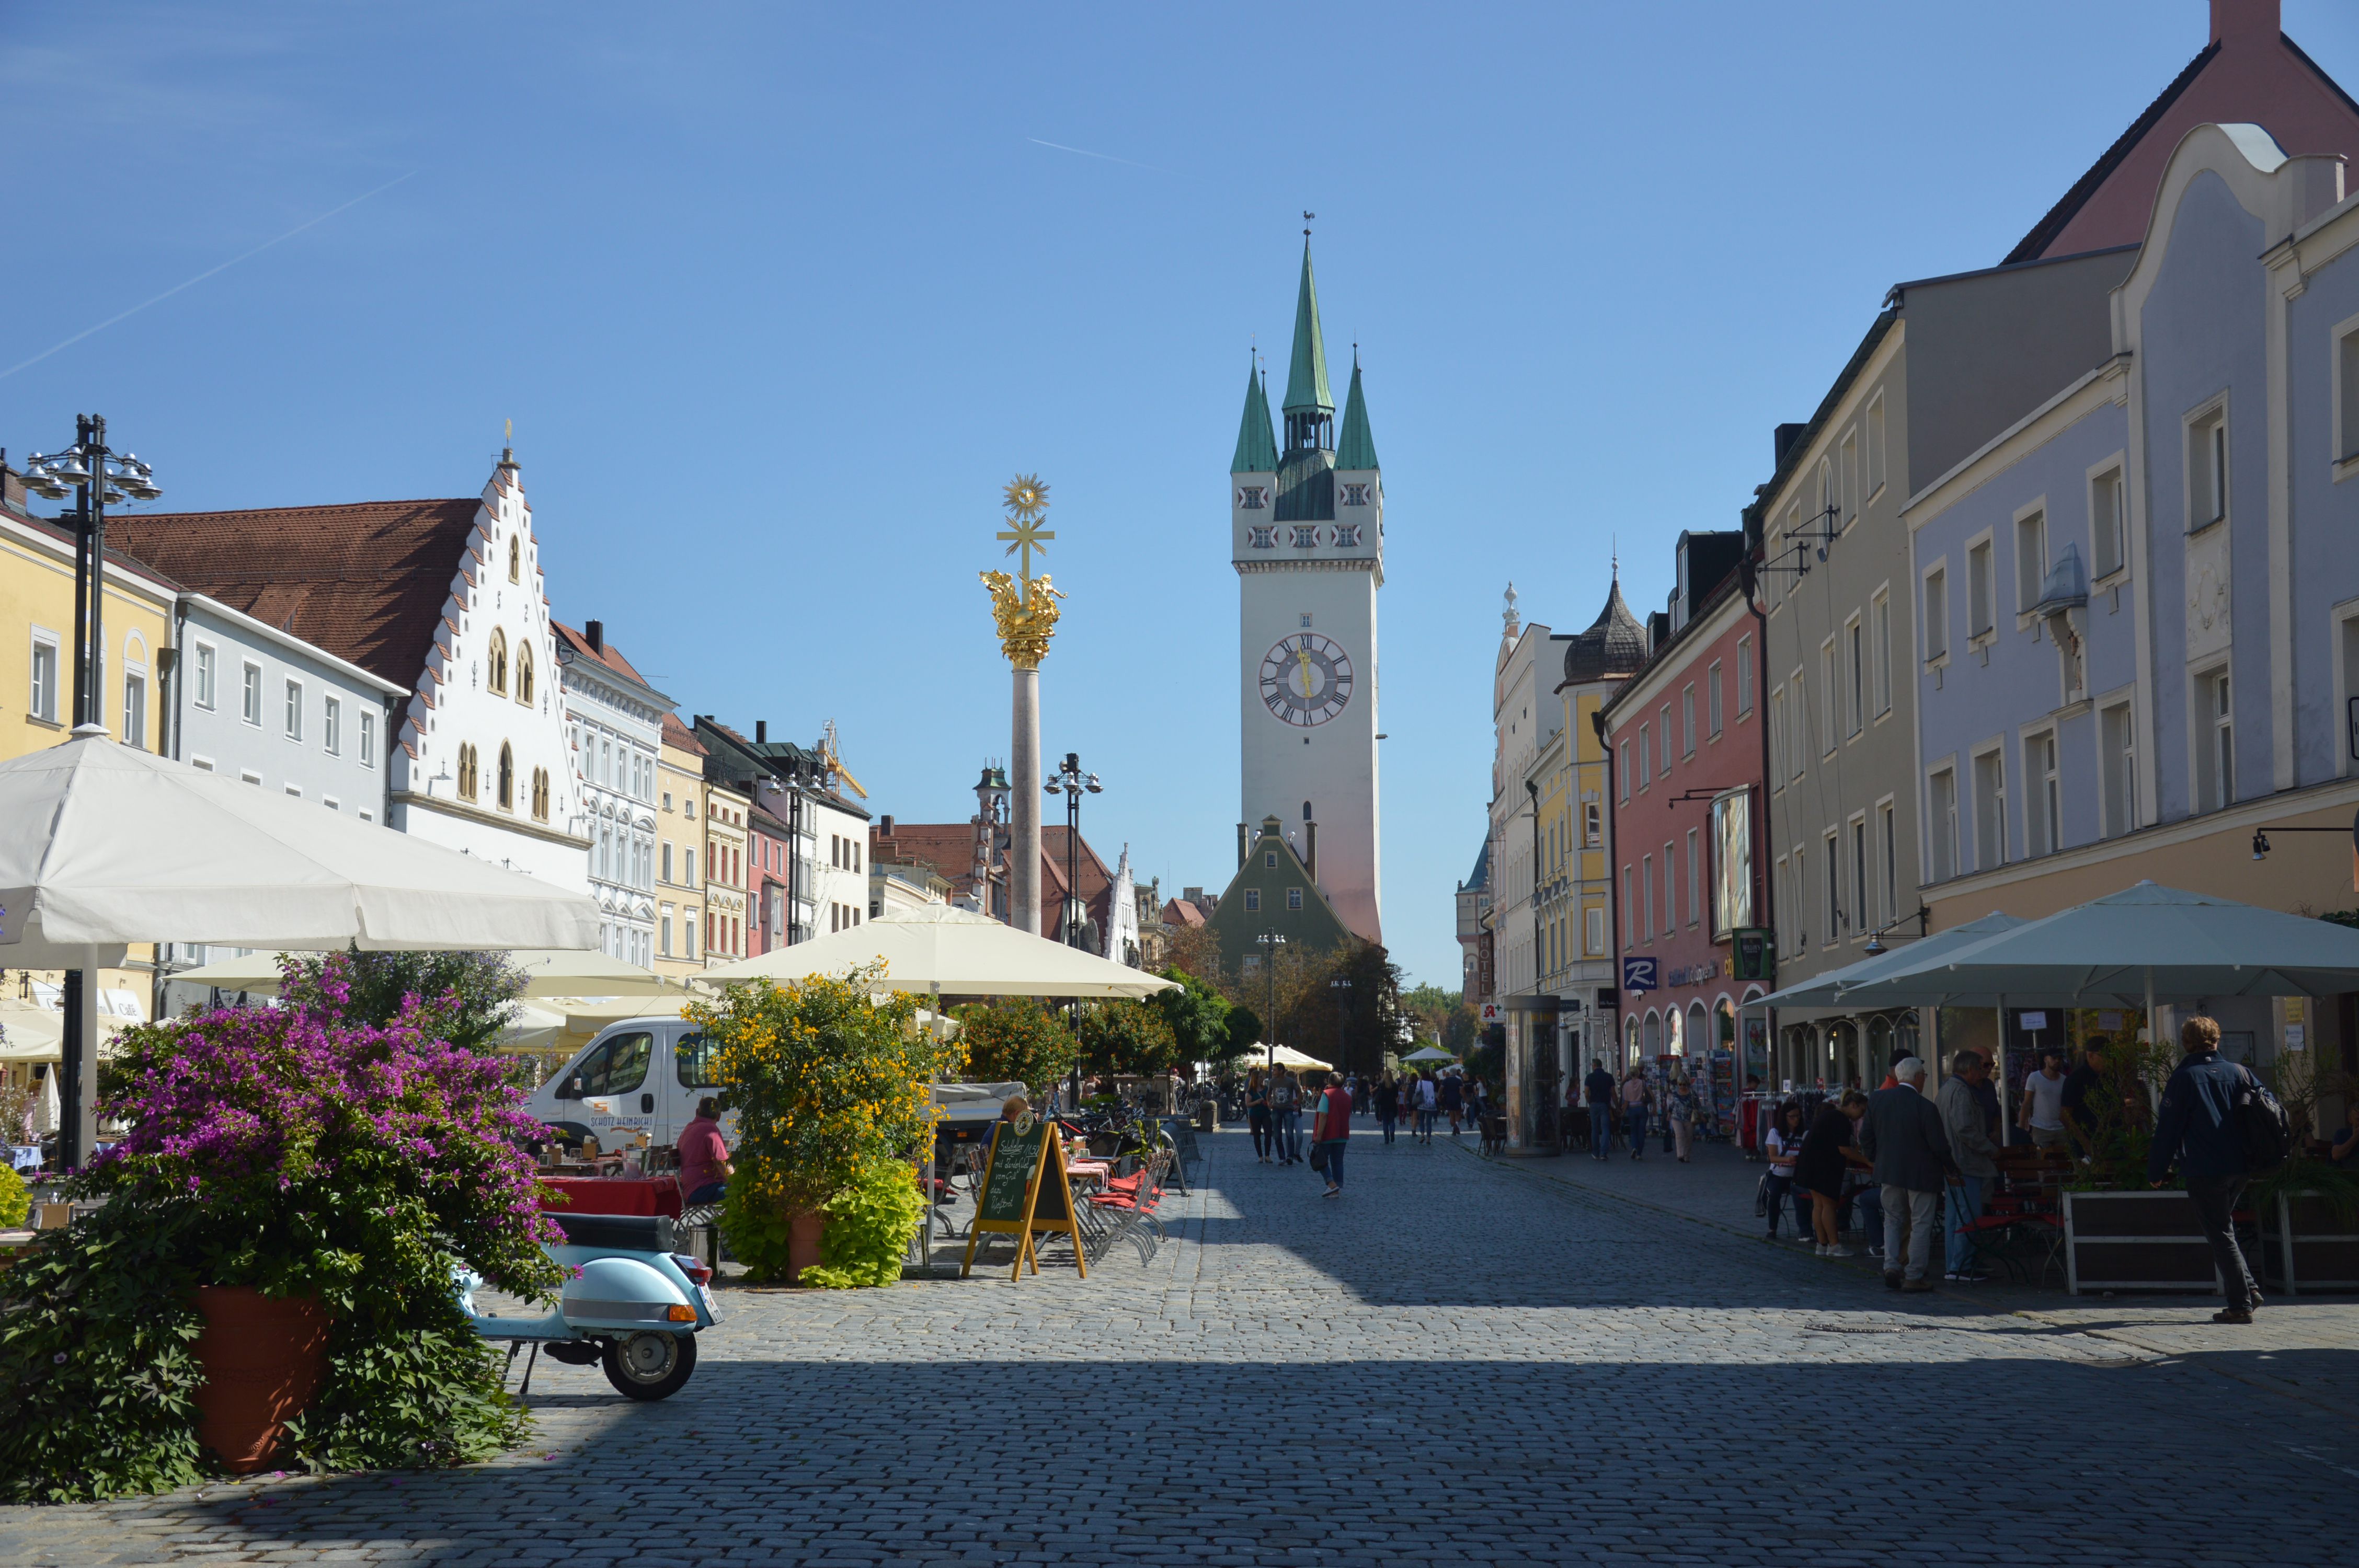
<point x="1109" y="158"/>
<point x="209" y="272"/>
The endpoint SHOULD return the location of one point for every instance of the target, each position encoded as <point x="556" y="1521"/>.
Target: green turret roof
<point x="1257" y="442"/>
<point x="1306" y="378"/>
<point x="1356" y="449"/>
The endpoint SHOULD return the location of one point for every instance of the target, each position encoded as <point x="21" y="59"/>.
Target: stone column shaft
<point x="1024" y="804"/>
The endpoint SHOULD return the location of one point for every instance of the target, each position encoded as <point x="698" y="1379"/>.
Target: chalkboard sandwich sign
<point x="1025" y="1191"/>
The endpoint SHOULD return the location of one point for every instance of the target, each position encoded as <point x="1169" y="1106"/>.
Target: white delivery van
<point x="644" y="1074"/>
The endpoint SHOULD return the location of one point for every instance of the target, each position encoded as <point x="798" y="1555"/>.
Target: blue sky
<point x="778" y="297"/>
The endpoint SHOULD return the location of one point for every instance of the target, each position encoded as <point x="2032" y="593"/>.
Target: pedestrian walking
<point x="1680" y="1106"/>
<point x="1903" y="1135"/>
<point x="1257" y="1117"/>
<point x="1286" y="1116"/>
<point x="1453" y="1098"/>
<point x="1634" y="1112"/>
<point x="2043" y="1102"/>
<point x="2197" y="1130"/>
<point x="1782" y="1144"/>
<point x="1331" y="1133"/>
<point x="1970" y="1144"/>
<point x="1426" y="1098"/>
<point x="1388" y="1104"/>
<point x="1828" y="1150"/>
<point x="1599" y="1086"/>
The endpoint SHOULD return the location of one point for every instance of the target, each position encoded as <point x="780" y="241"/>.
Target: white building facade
<point x="614" y="721"/>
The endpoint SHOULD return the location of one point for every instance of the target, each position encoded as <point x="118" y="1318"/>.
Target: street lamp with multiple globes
<point x="96" y="475"/>
<point x="1271" y="942"/>
<point x="1075" y="783"/>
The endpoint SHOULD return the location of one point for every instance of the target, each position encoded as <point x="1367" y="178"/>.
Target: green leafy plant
<point x="868" y="1229"/>
<point x="15" y="1200"/>
<point x="1198" y="1016"/>
<point x="827" y="1081"/>
<point x="1125" y="1036"/>
<point x="1016" y="1041"/>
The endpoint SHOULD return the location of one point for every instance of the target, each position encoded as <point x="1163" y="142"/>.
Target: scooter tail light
<point x="698" y="1271"/>
<point x="682" y="1313"/>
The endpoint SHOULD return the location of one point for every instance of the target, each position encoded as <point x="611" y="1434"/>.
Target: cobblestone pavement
<point x="1460" y="1361"/>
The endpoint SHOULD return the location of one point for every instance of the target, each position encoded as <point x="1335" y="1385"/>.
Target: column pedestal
<point x="1024" y="804"/>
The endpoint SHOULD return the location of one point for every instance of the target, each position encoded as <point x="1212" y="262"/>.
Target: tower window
<point x="1253" y="899"/>
<point x="1253" y="497"/>
<point x="1264" y="538"/>
<point x="1306" y="537"/>
<point x="1294" y="898"/>
<point x="1305" y="618"/>
<point x="1355" y="495"/>
<point x="1348" y="534"/>
<point x="1270" y="859"/>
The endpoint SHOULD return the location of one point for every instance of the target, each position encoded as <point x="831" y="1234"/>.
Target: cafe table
<point x="615" y="1194"/>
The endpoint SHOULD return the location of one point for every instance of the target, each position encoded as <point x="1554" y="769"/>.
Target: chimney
<point x="761" y="731"/>
<point x="594" y="633"/>
<point x="1311" y="860"/>
<point x="1241" y="844"/>
<point x="884" y="826"/>
<point x="2245" y="21"/>
<point x="1783" y="438"/>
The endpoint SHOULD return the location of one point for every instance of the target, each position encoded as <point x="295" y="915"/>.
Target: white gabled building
<point x="615" y="721"/>
<point x="444" y="600"/>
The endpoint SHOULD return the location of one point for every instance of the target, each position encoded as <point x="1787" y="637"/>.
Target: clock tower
<point x="1307" y="526"/>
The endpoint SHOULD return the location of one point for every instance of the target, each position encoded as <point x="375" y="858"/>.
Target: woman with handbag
<point x="1331" y="1131"/>
<point x="1831" y="1145"/>
<point x="1782" y="1145"/>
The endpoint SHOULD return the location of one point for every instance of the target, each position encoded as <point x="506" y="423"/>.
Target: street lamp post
<point x="1075" y="783"/>
<point x="1341" y="987"/>
<point x="94" y="474"/>
<point x="1271" y="942"/>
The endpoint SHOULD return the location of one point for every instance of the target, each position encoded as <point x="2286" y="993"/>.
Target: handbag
<point x="1761" y="1198"/>
<point x="1319" y="1157"/>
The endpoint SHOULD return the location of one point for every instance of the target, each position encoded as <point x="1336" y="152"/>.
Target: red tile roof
<point x="1179" y="911"/>
<point x="612" y="657"/>
<point x="677" y="734"/>
<point x="367" y="581"/>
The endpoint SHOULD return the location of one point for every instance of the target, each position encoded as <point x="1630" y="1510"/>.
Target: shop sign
<point x="1639" y="973"/>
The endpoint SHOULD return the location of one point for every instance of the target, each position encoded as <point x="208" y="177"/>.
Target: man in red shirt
<point x="1329" y="1129"/>
<point x="704" y="1167"/>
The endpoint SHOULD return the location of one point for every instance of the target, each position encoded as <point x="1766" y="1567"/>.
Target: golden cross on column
<point x="1026" y="499"/>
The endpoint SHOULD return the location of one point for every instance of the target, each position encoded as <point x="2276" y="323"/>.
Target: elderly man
<point x="1903" y="1135"/>
<point x="1969" y="1131"/>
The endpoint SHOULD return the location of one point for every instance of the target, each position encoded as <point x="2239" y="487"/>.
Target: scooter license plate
<point x="710" y="1304"/>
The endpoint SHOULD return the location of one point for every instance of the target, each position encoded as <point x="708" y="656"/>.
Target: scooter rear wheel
<point x="650" y="1366"/>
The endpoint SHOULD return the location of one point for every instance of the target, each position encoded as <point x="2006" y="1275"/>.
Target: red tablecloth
<point x="615" y="1194"/>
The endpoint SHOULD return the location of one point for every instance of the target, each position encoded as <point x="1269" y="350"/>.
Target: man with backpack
<point x="2202" y="1126"/>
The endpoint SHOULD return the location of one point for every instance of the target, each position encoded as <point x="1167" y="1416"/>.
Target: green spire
<point x="1356" y="449"/>
<point x="1257" y="442"/>
<point x="1306" y="378"/>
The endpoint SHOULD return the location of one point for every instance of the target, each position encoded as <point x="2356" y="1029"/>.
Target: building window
<point x="1687" y="722"/>
<point x="1645" y="772"/>
<point x="208" y="664"/>
<point x="331" y="803"/>
<point x="1355" y="495"/>
<point x="1592" y="820"/>
<point x="250" y="706"/>
<point x="1889" y="835"/>
<point x="248" y="776"/>
<point x="466" y="770"/>
<point x="368" y="740"/>
<point x="2207" y="468"/>
<point x="134" y="711"/>
<point x="1595" y="929"/>
<point x="663" y="932"/>
<point x="294" y="710"/>
<point x="497" y="662"/>
<point x="1834" y="912"/>
<point x="1936" y="618"/>
<point x="44" y="698"/>
<point x="667" y="872"/>
<point x="507" y="777"/>
<point x="1262" y="538"/>
<point x="1880" y="615"/>
<point x="688" y="868"/>
<point x="1990" y="810"/>
<point x="1663" y="767"/>
<point x="1270" y="859"/>
<point x="1629" y="909"/>
<point x="2109" y="522"/>
<point x="332" y="728"/>
<point x="1941" y="826"/>
<point x="524" y="674"/>
<point x="1744" y="676"/>
<point x="1695" y="875"/>
<point x="1712" y="687"/>
<point x="2215" y="743"/>
<point x="1306" y="537"/>
<point x="1856" y="636"/>
<point x="1777" y="772"/>
<point x="516" y="557"/>
<point x="541" y="795"/>
<point x="1830" y="695"/>
<point x="1294" y="898"/>
<point x="1253" y="900"/>
<point x="1252" y="497"/>
<point x="1623" y="758"/>
<point x="2118" y="760"/>
<point x="1875" y="445"/>
<point x="1646" y="881"/>
<point x="2030" y="559"/>
<point x="1980" y="606"/>
<point x="296" y="791"/>
<point x="1851" y="474"/>
<point x="202" y="765"/>
<point x="1861" y="869"/>
<point x="1348" y="534"/>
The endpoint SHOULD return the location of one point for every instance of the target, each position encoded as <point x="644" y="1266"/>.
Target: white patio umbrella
<point x="550" y="973"/>
<point x="1430" y="1054"/>
<point x="103" y="844"/>
<point x="951" y="952"/>
<point x="1287" y="1056"/>
<point x="1827" y="991"/>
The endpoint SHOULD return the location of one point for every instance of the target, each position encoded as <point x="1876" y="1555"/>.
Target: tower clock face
<point x="1305" y="679"/>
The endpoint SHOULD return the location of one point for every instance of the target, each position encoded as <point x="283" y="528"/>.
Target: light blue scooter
<point x="629" y="1301"/>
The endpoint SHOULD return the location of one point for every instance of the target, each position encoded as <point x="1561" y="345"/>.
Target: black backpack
<point x="2263" y="1124"/>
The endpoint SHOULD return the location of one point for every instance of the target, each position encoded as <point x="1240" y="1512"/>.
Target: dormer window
<point x="1355" y="495"/>
<point x="1347" y="534"/>
<point x="1264" y="538"/>
<point x="1253" y="497"/>
<point x="1306" y="537"/>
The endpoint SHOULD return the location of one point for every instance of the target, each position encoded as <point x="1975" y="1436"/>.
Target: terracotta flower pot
<point x="262" y="1358"/>
<point x="803" y="1233"/>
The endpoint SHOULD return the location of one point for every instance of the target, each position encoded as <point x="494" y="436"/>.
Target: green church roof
<point x="1356" y="449"/>
<point x="1306" y="377"/>
<point x="1257" y="442"/>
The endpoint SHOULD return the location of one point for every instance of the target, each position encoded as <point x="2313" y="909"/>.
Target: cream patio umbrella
<point x="1287" y="1056"/>
<point x="951" y="952"/>
<point x="103" y="845"/>
<point x="549" y="972"/>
